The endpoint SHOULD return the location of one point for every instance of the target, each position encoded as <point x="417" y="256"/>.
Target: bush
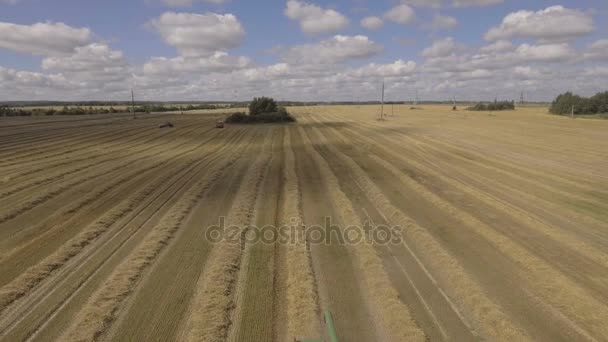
<point x="261" y="105"/>
<point x="496" y="105"/>
<point x="281" y="116"/>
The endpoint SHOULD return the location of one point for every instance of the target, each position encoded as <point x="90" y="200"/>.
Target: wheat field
<point x="502" y="217"/>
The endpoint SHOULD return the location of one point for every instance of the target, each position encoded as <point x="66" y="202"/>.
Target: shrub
<point x="281" y="116"/>
<point x="261" y="105"/>
<point x="496" y="105"/>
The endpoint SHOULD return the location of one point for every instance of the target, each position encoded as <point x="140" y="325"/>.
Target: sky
<point x="309" y="50"/>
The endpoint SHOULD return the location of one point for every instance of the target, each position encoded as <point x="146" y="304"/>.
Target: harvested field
<point x="108" y="227"/>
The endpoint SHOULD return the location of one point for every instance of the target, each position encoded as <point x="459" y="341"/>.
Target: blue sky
<point x="437" y="47"/>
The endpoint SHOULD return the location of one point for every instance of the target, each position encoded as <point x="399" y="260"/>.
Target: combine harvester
<point x="331" y="331"/>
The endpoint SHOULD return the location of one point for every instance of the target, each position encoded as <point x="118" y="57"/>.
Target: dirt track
<point x="103" y="226"/>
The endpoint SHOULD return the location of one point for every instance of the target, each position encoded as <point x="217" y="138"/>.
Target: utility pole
<point x="521" y="99"/>
<point x="382" y="105"/>
<point x="572" y="113"/>
<point x="133" y="103"/>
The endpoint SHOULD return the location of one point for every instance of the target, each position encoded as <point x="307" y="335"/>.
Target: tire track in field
<point x="571" y="299"/>
<point x="96" y="149"/>
<point x="471" y="156"/>
<point x="521" y="217"/>
<point x="171" y="281"/>
<point x="84" y="238"/>
<point x="431" y="308"/>
<point x="336" y="282"/>
<point x="70" y="132"/>
<point x="39" y="233"/>
<point x="107" y="151"/>
<point x="57" y="190"/>
<point x="141" y="128"/>
<point x="86" y="264"/>
<point x="30" y="151"/>
<point x="213" y="303"/>
<point x="104" y="304"/>
<point x="80" y="145"/>
<point x="483" y="314"/>
<point x="297" y="311"/>
<point x="254" y="301"/>
<point x="593" y="258"/>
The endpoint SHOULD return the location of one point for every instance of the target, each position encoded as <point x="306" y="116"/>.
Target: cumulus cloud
<point x="95" y="56"/>
<point x="443" y="22"/>
<point x="597" y="50"/>
<point x="197" y="35"/>
<point x="440" y="48"/>
<point x="395" y="69"/>
<point x="314" y="19"/>
<point x="218" y="62"/>
<point x="372" y="23"/>
<point x="526" y="72"/>
<point x="334" y="50"/>
<point x="498" y="46"/>
<point x="546" y="52"/>
<point x="425" y="3"/>
<point x="182" y="3"/>
<point x="469" y="3"/>
<point x="91" y="71"/>
<point x="453" y="3"/>
<point x="555" y="23"/>
<point x="42" y="39"/>
<point x="401" y="14"/>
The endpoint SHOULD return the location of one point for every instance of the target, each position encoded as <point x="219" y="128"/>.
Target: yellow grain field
<point x="112" y="229"/>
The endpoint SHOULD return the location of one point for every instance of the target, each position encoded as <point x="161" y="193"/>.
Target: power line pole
<point x="572" y="113"/>
<point x="382" y="105"/>
<point x="133" y="103"/>
<point x="521" y="99"/>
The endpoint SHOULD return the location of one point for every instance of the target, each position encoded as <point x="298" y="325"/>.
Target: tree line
<point x="81" y="110"/>
<point x="569" y="103"/>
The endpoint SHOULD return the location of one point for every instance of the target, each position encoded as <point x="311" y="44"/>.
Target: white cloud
<point x="218" y="62"/>
<point x="95" y="56"/>
<point x="395" y="69"/>
<point x="555" y="23"/>
<point x="596" y="71"/>
<point x="498" y="46"/>
<point x="334" y="50"/>
<point x="372" y="23"/>
<point x="597" y="50"/>
<point x="454" y="3"/>
<point x="526" y="72"/>
<point x="95" y="67"/>
<point x="546" y="52"/>
<point x="425" y="3"/>
<point x="470" y="3"/>
<point x="440" y="48"/>
<point x="443" y="22"/>
<point x="182" y="3"/>
<point x="314" y="19"/>
<point x="42" y="39"/>
<point x="198" y="35"/>
<point x="401" y="14"/>
<point x="92" y="71"/>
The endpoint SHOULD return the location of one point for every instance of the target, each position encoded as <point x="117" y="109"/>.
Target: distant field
<point x="503" y="216"/>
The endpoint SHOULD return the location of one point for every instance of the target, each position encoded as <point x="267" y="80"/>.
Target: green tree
<point x="261" y="105"/>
